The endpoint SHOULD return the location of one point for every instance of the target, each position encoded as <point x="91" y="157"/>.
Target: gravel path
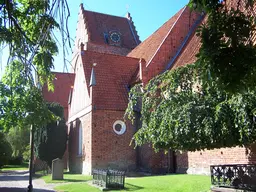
<point x="15" y="181"/>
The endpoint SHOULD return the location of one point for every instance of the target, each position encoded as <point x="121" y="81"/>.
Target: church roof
<point x="167" y="45"/>
<point x="148" y="48"/>
<point x="112" y="74"/>
<point x="189" y="51"/>
<point x="99" y="24"/>
<point x="62" y="85"/>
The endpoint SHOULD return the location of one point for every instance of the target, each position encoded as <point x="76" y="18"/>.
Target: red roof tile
<point x="148" y="48"/>
<point x="188" y="55"/>
<point x="190" y="50"/>
<point x="62" y="85"/>
<point x="99" y="23"/>
<point x="112" y="73"/>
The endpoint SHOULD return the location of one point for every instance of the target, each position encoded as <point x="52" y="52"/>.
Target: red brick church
<point x="108" y="59"/>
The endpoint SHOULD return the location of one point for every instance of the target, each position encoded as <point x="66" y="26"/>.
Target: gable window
<point x="119" y="127"/>
<point x="106" y="38"/>
<point x="80" y="140"/>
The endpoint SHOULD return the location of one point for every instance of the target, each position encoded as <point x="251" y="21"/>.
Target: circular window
<point x="119" y="127"/>
<point x="115" y="37"/>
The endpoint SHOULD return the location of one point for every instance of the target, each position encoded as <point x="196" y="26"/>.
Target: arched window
<point x="80" y="140"/>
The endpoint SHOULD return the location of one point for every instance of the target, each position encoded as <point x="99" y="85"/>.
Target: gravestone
<point x="57" y="169"/>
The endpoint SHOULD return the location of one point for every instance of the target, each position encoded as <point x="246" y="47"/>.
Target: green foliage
<point x="212" y="103"/>
<point x="26" y="28"/>
<point x="178" y="112"/>
<point x="19" y="139"/>
<point x="26" y="153"/>
<point x="227" y="56"/>
<point x="22" y="103"/>
<point x="5" y="150"/>
<point x="50" y="140"/>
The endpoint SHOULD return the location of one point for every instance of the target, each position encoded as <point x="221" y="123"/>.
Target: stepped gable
<point x="99" y="24"/>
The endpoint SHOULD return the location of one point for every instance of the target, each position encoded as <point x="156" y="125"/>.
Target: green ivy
<point x="178" y="112"/>
<point x="211" y="103"/>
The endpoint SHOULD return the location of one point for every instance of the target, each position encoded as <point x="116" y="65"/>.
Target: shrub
<point x="5" y="150"/>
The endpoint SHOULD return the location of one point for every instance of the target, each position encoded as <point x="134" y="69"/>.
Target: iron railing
<point x="110" y="179"/>
<point x="234" y="176"/>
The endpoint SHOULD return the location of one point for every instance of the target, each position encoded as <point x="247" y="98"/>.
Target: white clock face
<point x="115" y="37"/>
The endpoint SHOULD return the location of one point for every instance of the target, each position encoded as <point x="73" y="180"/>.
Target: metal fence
<point x="111" y="179"/>
<point x="240" y="176"/>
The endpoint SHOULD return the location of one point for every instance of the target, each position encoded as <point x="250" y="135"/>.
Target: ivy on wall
<point x="211" y="103"/>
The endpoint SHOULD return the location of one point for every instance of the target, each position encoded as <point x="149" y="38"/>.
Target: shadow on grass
<point x="130" y="187"/>
<point x="13" y="189"/>
<point x="11" y="172"/>
<point x="13" y="178"/>
<point x="71" y="180"/>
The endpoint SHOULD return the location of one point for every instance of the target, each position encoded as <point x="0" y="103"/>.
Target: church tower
<point x="104" y="34"/>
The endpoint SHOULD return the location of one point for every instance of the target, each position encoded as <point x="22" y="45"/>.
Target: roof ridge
<point x="168" y="33"/>
<point x="139" y="51"/>
<point x="123" y="56"/>
<point x="104" y="14"/>
<point x="185" y="42"/>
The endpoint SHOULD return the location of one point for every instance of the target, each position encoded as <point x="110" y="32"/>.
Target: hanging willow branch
<point x="27" y="28"/>
<point x="211" y="103"/>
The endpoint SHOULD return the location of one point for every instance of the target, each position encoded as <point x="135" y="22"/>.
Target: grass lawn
<point x="67" y="178"/>
<point x="15" y="167"/>
<point x="175" y="183"/>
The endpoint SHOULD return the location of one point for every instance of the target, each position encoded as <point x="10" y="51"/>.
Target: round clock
<point x="115" y="37"/>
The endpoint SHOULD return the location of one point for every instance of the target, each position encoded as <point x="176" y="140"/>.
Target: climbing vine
<point x="177" y="112"/>
<point x="211" y="103"/>
<point x="228" y="55"/>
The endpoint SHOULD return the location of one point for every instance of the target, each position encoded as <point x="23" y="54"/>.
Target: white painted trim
<point x="81" y="113"/>
<point x="166" y="36"/>
<point x="123" y="127"/>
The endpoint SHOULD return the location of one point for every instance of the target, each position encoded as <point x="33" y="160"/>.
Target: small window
<point x="119" y="127"/>
<point x="106" y="38"/>
<point x="70" y="96"/>
<point x="80" y="140"/>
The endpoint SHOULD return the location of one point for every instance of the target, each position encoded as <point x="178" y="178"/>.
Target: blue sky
<point x="147" y="15"/>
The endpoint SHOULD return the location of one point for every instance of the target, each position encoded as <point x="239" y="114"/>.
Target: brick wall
<point x="154" y="162"/>
<point x="110" y="49"/>
<point x="108" y="148"/>
<point x="78" y="163"/>
<point x="87" y="142"/>
<point x="199" y="162"/>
